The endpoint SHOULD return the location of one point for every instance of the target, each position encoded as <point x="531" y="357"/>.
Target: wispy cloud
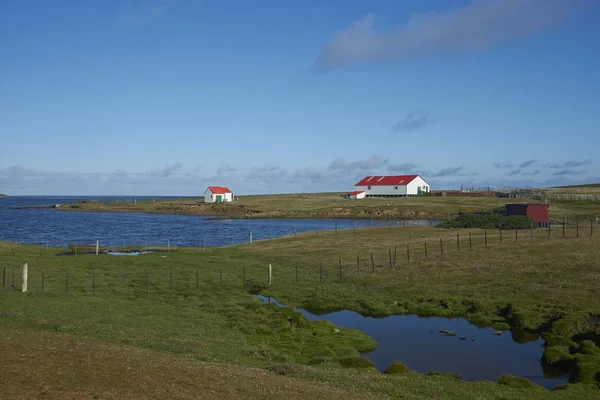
<point x="502" y="165"/>
<point x="373" y="162"/>
<point x="527" y="163"/>
<point x="449" y="171"/>
<point x="568" y="171"/>
<point x="166" y="171"/>
<point x="413" y="121"/>
<point x="402" y="167"/>
<point x="478" y="26"/>
<point x="226" y="169"/>
<point x="570" y="164"/>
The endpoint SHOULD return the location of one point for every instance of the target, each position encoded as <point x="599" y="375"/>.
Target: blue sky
<point x="169" y="96"/>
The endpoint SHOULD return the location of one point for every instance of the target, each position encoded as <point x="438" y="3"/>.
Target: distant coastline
<point x="3" y="195"/>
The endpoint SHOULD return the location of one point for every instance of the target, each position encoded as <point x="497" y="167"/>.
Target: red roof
<point x="386" y="180"/>
<point x="219" y="189"/>
<point x="355" y="193"/>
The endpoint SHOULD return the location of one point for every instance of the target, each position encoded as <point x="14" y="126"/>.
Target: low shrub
<point x="396" y="368"/>
<point x="490" y="221"/>
<point x="445" y="374"/>
<point x="516" y="382"/>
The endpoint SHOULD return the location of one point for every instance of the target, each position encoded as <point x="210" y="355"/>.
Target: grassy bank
<point x="332" y="205"/>
<point x="547" y="285"/>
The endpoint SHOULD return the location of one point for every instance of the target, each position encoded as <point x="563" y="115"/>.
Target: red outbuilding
<point x="536" y="211"/>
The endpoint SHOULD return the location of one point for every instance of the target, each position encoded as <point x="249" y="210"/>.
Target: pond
<point x="417" y="342"/>
<point x="56" y="228"/>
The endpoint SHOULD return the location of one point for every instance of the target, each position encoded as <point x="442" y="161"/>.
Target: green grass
<point x="545" y="285"/>
<point x="328" y="205"/>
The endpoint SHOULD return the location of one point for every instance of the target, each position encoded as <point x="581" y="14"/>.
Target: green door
<point x="219" y="198"/>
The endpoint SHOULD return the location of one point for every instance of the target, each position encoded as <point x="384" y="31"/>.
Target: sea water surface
<point x="57" y="228"/>
<point x="417" y="342"/>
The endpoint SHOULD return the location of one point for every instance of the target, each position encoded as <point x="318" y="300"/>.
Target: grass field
<point x="216" y="340"/>
<point x="332" y="205"/>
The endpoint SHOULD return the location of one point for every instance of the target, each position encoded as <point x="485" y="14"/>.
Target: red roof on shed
<point x="219" y="189"/>
<point x="386" y="180"/>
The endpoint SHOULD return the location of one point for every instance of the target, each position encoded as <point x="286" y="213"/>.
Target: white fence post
<point x="25" y="268"/>
<point x="97" y="247"/>
<point x="270" y="270"/>
<point x="250" y="237"/>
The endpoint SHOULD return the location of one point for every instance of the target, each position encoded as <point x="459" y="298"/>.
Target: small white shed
<point x="218" y="194"/>
<point x="355" y="195"/>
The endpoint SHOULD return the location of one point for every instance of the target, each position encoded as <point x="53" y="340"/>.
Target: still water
<point x="58" y="228"/>
<point x="417" y="342"/>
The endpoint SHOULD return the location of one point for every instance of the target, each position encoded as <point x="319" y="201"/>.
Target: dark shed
<point x="536" y="211"/>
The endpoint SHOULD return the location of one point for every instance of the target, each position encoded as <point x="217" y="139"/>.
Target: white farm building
<point x="393" y="186"/>
<point x="218" y="194"/>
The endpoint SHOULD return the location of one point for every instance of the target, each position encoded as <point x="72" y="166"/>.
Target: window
<point x="369" y="187"/>
<point x="395" y="187"/>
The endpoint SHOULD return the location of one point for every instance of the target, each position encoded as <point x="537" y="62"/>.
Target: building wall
<point x="381" y="190"/>
<point x="227" y="197"/>
<point x="538" y="213"/>
<point x="418" y="182"/>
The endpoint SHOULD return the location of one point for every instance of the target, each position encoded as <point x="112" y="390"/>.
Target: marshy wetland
<point x="198" y="308"/>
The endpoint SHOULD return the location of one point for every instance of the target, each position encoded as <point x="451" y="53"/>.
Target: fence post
<point x="470" y="242"/>
<point x="295" y="232"/>
<point x="563" y="230"/>
<point x="42" y="281"/>
<point x="24" y="281"/>
<point x="357" y="264"/>
<point x="441" y="246"/>
<point x="516" y="235"/>
<point x="340" y="264"/>
<point x="591" y="227"/>
<point x="317" y="230"/>
<point x="336" y="227"/>
<point x="204" y="244"/>
<point x="485" y="237"/>
<point x="97" y="247"/>
<point x="3" y="276"/>
<point x="458" y="241"/>
<point x="532" y="231"/>
<point x="577" y="227"/>
<point x="146" y="281"/>
<point x="320" y="271"/>
<point x="390" y="257"/>
<point x="500" y="235"/>
<point x="372" y="262"/>
<point x="395" y="250"/>
<point x="168" y="246"/>
<point x="250" y="237"/>
<point x="426" y="249"/>
<point x="408" y="253"/>
<point x="93" y="283"/>
<point x="549" y="229"/>
<point x="354" y="226"/>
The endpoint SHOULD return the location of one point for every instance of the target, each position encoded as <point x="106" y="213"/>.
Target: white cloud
<point x="478" y="26"/>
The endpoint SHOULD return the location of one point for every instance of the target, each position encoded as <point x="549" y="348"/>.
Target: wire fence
<point x="315" y="268"/>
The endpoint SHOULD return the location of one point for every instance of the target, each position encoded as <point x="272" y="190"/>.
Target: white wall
<point x="209" y="197"/>
<point x="413" y="187"/>
<point x="383" y="190"/>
